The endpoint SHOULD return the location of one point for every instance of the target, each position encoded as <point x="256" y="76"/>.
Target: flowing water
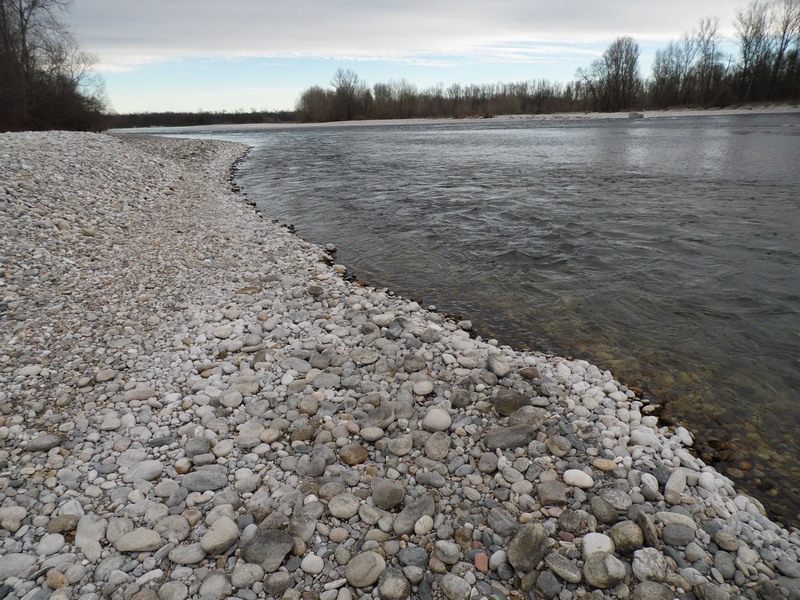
<point x="664" y="249"/>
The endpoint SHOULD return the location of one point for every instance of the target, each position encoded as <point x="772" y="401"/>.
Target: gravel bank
<point x="195" y="404"/>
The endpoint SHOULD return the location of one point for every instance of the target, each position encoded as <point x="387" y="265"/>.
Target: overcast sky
<point x="241" y="54"/>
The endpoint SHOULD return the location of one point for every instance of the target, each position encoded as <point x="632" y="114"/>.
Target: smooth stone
<point x="424" y="525"/>
<point x="454" y="587"/>
<point x="64" y="524"/>
<point x="725" y="563"/>
<point x="44" y="442"/>
<point x="726" y="540"/>
<point x="789" y="568"/>
<point x="446" y="551"/>
<point x="326" y="381"/>
<point x="353" y="454"/>
<point x="204" y="481"/>
<point x="400" y="445"/>
<point x="312" y="564"/>
<point x="393" y="585"/>
<point x="627" y="537"/>
<point x="603" y="511"/>
<point x="222" y="533"/>
<point x="344" y="506"/>
<point x="91" y="528"/>
<point x="423" y="388"/>
<point x="216" y="586"/>
<point x="558" y="445"/>
<point x="437" y="446"/>
<point x="364" y="569"/>
<point x="15" y="565"/>
<point x="139" y="540"/>
<point x="578" y="478"/>
<point x="498" y="365"/>
<point x="596" y="542"/>
<point x="371" y="434"/>
<point x="190" y="554"/>
<point x="548" y="585"/>
<point x="616" y="498"/>
<point x="675" y="486"/>
<point x="387" y="494"/>
<point x="603" y="570"/>
<point x="675" y="534"/>
<point x="146" y="470"/>
<point x="50" y="544"/>
<point x="245" y="575"/>
<point x="436" y="420"/>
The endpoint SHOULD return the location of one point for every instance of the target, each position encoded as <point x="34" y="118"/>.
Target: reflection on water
<point x="666" y="250"/>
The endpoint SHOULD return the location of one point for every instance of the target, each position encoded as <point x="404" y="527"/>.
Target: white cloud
<point x="125" y="34"/>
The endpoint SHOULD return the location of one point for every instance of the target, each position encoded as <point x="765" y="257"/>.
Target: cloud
<point x="127" y="34"/>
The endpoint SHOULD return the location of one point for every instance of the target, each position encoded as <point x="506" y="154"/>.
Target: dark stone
<point x="507" y="438"/>
<point x="508" y="401"/>
<point x="268" y="548"/>
<point x="528" y="547"/>
<point x="548" y="585"/>
<point x="502" y="523"/>
<point x="675" y="534"/>
<point x="413" y="557"/>
<point x="552" y="493"/>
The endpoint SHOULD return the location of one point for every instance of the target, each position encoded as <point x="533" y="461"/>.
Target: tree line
<point x="187" y="119"/>
<point x="690" y="72"/>
<point x="45" y="79"/>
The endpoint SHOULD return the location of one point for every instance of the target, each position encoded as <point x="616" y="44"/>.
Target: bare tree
<point x="785" y="34"/>
<point x="752" y="27"/>
<point x="347" y="88"/>
<point x="45" y="77"/>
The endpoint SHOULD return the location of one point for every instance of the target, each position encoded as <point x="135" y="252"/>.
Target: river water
<point x="664" y="249"/>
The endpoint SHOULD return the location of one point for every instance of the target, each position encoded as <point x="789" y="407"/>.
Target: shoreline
<point x="753" y="109"/>
<point x="188" y="384"/>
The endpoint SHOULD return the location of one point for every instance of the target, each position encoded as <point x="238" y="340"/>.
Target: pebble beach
<point x="196" y="403"/>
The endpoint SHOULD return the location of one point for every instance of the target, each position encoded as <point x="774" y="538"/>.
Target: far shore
<point x="750" y="109"/>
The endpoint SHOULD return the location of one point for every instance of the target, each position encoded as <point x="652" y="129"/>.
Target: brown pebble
<point x="353" y="454"/>
<point x="62" y="524"/>
<point x="529" y="373"/>
<point x="603" y="464"/>
<point x="56" y="580"/>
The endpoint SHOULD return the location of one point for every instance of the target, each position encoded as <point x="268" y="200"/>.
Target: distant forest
<point x="690" y="72"/>
<point x="186" y="119"/>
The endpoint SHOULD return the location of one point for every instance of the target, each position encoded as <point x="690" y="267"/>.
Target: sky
<point x="190" y="55"/>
